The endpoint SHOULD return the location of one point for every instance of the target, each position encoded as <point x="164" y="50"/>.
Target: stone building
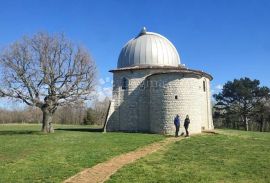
<point x="151" y="86"/>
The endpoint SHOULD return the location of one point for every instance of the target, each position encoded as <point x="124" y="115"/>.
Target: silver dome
<point x="148" y="48"/>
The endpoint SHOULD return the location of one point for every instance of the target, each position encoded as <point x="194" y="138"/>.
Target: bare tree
<point x="46" y="71"/>
<point x="101" y="108"/>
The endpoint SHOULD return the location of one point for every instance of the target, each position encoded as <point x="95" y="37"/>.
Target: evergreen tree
<point x="240" y="100"/>
<point x="90" y="117"/>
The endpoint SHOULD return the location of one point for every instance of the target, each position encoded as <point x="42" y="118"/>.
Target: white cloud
<point x="103" y="92"/>
<point x="219" y="87"/>
<point x="104" y="89"/>
<point x="100" y="96"/>
<point x="101" y="81"/>
<point x="11" y="104"/>
<point x="107" y="91"/>
<point x="107" y="79"/>
<point x="98" y="88"/>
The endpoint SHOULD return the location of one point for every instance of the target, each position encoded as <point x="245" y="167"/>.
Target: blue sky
<point x="227" y="38"/>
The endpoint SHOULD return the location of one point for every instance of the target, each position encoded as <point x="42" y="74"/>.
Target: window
<point x="204" y="87"/>
<point x="176" y="97"/>
<point x="141" y="85"/>
<point x="124" y="83"/>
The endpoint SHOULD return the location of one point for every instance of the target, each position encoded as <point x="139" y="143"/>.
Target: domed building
<point x="151" y="86"/>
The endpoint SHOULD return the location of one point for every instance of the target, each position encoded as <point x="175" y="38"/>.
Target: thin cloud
<point x="219" y="87"/>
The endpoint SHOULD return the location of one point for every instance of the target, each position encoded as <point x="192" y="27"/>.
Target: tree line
<point x="75" y="114"/>
<point x="243" y="104"/>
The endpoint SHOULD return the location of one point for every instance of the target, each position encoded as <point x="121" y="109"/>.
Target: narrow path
<point x="102" y="172"/>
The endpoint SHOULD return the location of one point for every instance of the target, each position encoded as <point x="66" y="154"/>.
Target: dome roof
<point x="148" y="48"/>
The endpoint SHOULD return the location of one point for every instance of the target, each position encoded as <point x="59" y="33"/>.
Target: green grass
<point x="232" y="156"/>
<point x="27" y="155"/>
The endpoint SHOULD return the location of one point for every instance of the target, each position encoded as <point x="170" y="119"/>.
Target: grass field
<point x="26" y="155"/>
<point x="233" y="156"/>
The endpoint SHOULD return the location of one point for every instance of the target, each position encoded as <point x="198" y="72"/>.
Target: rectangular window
<point x="204" y="87"/>
<point x="124" y="83"/>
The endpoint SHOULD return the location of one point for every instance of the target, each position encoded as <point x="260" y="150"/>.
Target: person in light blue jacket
<point x="177" y="124"/>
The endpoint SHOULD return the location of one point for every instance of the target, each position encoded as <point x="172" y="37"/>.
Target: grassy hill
<point x="231" y="156"/>
<point x="26" y="155"/>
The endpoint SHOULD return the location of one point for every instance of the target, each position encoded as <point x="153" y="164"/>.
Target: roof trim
<point x="167" y="69"/>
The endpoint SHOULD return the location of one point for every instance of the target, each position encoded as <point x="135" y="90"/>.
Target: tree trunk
<point x="246" y="123"/>
<point x="47" y="121"/>
<point x="261" y="123"/>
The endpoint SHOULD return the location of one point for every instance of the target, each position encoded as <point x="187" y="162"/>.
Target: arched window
<point x="124" y="83"/>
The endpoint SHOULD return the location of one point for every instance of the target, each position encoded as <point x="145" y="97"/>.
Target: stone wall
<point x="207" y="121"/>
<point x="130" y="104"/>
<point x="180" y="94"/>
<point x="151" y="101"/>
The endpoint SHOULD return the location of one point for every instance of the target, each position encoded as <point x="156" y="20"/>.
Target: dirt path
<point x="102" y="172"/>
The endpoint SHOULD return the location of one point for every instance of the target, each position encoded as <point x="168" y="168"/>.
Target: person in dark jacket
<point x="177" y="125"/>
<point x="186" y="124"/>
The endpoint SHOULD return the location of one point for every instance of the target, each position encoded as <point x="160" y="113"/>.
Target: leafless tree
<point x="70" y="114"/>
<point x="101" y="108"/>
<point x="46" y="71"/>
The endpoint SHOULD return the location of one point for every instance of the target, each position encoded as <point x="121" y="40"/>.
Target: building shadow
<point x="33" y="132"/>
<point x="20" y="132"/>
<point x="81" y="129"/>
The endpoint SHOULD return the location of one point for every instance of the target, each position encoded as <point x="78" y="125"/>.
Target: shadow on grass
<point x="22" y="132"/>
<point x="81" y="129"/>
<point x="32" y="132"/>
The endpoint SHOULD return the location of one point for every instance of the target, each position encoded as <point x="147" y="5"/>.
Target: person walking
<point x="177" y="125"/>
<point x="186" y="124"/>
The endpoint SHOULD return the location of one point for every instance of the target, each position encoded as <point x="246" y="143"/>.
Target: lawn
<point x="26" y="155"/>
<point x="232" y="156"/>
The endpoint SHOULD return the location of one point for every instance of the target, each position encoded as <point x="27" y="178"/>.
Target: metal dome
<point x="148" y="48"/>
